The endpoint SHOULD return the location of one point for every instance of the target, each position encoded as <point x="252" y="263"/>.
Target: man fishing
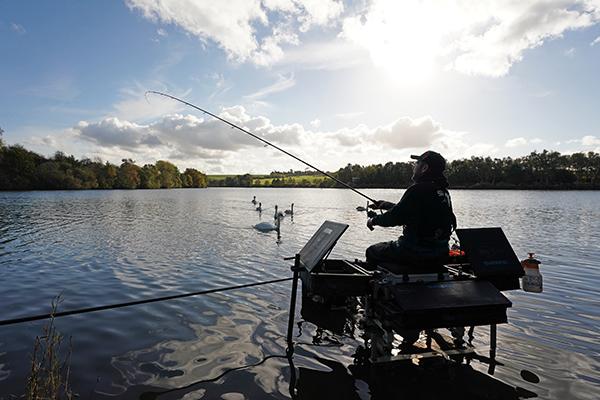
<point x="425" y="212"/>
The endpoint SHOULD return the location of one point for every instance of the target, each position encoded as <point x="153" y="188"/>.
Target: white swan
<point x="290" y="211"/>
<point x="278" y="214"/>
<point x="267" y="226"/>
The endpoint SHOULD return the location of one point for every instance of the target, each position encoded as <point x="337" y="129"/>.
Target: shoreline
<point x="483" y="188"/>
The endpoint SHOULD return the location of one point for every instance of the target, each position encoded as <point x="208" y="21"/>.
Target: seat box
<point x="338" y="278"/>
<point x="442" y="304"/>
<point x="491" y="257"/>
<point x="329" y="278"/>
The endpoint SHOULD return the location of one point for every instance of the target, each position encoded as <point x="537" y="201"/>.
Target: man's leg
<point x="385" y="252"/>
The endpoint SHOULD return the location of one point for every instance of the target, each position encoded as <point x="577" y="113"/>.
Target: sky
<point x="333" y="82"/>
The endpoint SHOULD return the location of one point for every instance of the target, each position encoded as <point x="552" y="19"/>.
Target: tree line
<point x="21" y="169"/>
<point x="546" y="169"/>
<point x="538" y="170"/>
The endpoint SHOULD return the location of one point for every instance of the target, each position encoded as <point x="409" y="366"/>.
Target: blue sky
<point x="334" y="82"/>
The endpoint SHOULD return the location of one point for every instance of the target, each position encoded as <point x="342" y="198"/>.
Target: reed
<point x="50" y="369"/>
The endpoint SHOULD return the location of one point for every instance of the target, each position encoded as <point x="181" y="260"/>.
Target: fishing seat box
<point x="469" y="299"/>
<point x="329" y="278"/>
<point x="441" y="304"/>
<point x="490" y="257"/>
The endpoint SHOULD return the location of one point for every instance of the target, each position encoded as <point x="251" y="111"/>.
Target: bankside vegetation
<point x="21" y="169"/>
<point x="50" y="367"/>
<point x="538" y="170"/>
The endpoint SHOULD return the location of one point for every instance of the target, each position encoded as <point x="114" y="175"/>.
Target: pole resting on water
<point x="262" y="140"/>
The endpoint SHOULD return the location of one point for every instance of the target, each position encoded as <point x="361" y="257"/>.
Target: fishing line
<point x="262" y="140"/>
<point x="133" y="303"/>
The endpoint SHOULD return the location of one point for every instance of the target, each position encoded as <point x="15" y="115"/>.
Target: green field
<point x="293" y="180"/>
<point x="267" y="180"/>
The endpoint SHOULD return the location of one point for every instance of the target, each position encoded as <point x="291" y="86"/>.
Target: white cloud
<point x="187" y="135"/>
<point x="135" y="106"/>
<point x="408" y="38"/>
<point x="596" y="41"/>
<point x="349" y="115"/>
<point x="233" y="24"/>
<point x="542" y="94"/>
<point x="590" y="141"/>
<point x="570" y="52"/>
<point x="213" y="145"/>
<point x="283" y="83"/>
<point x="315" y="123"/>
<point x="408" y="133"/>
<point x="516" y="142"/>
<point x="478" y="37"/>
<point x="18" y="28"/>
<point x="222" y="86"/>
<point x="325" y="55"/>
<point x="161" y="32"/>
<point x="318" y="12"/>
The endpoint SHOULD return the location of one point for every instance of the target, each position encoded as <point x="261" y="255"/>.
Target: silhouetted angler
<point x="425" y="212"/>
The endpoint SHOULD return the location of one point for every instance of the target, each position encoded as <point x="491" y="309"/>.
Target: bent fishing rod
<point x="262" y="140"/>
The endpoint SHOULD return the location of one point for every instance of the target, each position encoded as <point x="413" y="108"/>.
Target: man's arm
<point x="397" y="215"/>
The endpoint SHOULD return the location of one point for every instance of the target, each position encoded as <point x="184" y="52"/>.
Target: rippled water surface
<point x="103" y="247"/>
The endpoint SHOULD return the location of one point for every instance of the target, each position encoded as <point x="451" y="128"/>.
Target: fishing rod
<point x="262" y="140"/>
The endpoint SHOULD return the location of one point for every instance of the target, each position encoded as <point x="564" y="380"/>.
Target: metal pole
<point x="290" y="343"/>
<point x="493" y="339"/>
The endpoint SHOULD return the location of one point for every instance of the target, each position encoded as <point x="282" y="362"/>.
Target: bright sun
<point x="403" y="38"/>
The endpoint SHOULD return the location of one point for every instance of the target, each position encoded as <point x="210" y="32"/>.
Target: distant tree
<point x="594" y="163"/>
<point x="17" y="168"/>
<point x="169" y="175"/>
<point x="105" y="173"/>
<point x="53" y="176"/>
<point x="193" y="178"/>
<point x="150" y="177"/>
<point x="186" y="181"/>
<point x="128" y="175"/>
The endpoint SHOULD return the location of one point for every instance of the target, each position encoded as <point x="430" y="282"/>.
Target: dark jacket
<point x="425" y="211"/>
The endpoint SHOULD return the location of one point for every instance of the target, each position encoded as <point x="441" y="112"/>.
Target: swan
<point x="267" y="226"/>
<point x="361" y="208"/>
<point x="278" y="214"/>
<point x="253" y="200"/>
<point x="259" y="208"/>
<point x="290" y="211"/>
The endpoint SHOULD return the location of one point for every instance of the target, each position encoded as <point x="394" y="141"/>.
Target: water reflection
<point x="416" y="377"/>
<point x="103" y="247"/>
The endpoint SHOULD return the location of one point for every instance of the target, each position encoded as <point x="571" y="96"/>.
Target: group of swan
<point x="268" y="226"/>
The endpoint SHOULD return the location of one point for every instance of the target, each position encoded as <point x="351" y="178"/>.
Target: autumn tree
<point x="169" y="175"/>
<point x="150" y="177"/>
<point x="128" y="175"/>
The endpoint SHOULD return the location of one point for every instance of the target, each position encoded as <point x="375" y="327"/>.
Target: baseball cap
<point x="433" y="159"/>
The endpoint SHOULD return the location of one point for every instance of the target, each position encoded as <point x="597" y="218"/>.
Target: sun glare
<point x="403" y="38"/>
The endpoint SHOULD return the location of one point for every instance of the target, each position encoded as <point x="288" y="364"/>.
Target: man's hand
<point x="370" y="223"/>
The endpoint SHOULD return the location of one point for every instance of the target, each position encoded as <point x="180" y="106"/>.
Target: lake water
<point x="103" y="247"/>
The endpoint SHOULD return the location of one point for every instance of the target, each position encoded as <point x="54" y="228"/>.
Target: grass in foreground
<point x="49" y="375"/>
